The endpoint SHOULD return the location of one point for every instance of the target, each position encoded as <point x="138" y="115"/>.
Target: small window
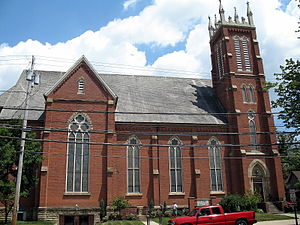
<point x="252" y="130"/>
<point x="251" y="94"/>
<point x="216" y="210"/>
<point x="81" y="86"/>
<point x="244" y="93"/>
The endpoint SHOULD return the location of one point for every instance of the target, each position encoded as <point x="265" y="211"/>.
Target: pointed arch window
<point x="175" y="165"/>
<point x="133" y="166"/>
<point x="251" y="94"/>
<point x="252" y="130"/>
<point x="81" y="84"/>
<point x="244" y="93"/>
<point x="241" y="48"/>
<point x="215" y="163"/>
<point x="78" y="154"/>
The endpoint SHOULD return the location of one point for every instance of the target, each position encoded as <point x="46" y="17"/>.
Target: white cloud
<point x="129" y="3"/>
<point x="164" y="23"/>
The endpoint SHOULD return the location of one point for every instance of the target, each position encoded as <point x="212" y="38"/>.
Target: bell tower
<point x="238" y="80"/>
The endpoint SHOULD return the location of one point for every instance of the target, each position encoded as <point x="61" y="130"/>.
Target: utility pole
<point x="32" y="79"/>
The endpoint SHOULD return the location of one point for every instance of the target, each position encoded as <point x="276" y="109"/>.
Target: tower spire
<point x="210" y="28"/>
<point x="249" y="15"/>
<point x="221" y="12"/>
<point x="236" y="16"/>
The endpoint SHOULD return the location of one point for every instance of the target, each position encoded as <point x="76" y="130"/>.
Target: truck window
<point x="216" y="210"/>
<point x="205" y="212"/>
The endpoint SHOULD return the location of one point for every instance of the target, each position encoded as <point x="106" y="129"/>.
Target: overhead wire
<point x="160" y="133"/>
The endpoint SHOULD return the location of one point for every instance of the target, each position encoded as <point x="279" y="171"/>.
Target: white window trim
<point x="215" y="169"/>
<point x="176" y="177"/>
<point x="67" y="160"/>
<point x="139" y="168"/>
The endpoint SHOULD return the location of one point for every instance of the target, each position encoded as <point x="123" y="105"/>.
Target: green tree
<point x="9" y="148"/>
<point x="287" y="89"/>
<point x="290" y="153"/>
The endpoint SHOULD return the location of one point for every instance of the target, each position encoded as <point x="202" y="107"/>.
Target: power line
<point x="143" y="145"/>
<point x="111" y="132"/>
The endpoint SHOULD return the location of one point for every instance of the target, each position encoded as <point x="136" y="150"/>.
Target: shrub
<point x="114" y="216"/>
<point x="168" y="213"/>
<point x="150" y="206"/>
<point x="235" y="203"/>
<point x="164" y="208"/>
<point x="130" y="216"/>
<point x="119" y="203"/>
<point x="102" y="209"/>
<point x="251" y="201"/>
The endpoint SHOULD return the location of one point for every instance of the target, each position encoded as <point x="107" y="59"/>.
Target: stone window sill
<point x="134" y="194"/>
<point x="176" y="193"/>
<point x="217" y="193"/>
<point x="77" y="193"/>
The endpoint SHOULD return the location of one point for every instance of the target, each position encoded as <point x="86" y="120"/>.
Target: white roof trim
<point x="71" y="69"/>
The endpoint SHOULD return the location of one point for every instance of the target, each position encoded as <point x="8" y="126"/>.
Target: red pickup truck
<point x="210" y="215"/>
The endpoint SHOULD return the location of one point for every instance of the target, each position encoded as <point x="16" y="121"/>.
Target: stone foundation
<point x="52" y="214"/>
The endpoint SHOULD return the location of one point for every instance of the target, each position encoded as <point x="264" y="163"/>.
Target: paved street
<point x="274" y="222"/>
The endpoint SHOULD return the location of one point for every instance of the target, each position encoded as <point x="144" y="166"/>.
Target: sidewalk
<point x="278" y="222"/>
<point x="151" y="222"/>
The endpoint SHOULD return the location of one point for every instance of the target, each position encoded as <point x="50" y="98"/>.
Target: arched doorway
<point x="258" y="178"/>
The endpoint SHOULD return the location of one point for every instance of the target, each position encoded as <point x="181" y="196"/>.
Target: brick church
<point x="153" y="138"/>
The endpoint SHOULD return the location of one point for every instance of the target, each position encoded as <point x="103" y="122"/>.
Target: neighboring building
<point x="292" y="190"/>
<point x="155" y="138"/>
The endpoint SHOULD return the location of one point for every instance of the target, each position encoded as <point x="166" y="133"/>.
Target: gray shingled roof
<point x="192" y="99"/>
<point x="15" y="97"/>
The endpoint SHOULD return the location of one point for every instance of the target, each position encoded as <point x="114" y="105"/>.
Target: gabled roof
<point x="295" y="173"/>
<point x="81" y="60"/>
<point x="141" y="99"/>
<point x="13" y="100"/>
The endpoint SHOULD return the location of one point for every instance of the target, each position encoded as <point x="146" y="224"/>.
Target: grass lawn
<point x="123" y="222"/>
<point x="270" y="216"/>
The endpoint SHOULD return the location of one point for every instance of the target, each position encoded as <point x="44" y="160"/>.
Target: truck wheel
<point x="241" y="222"/>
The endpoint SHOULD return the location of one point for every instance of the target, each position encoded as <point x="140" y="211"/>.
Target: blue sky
<point x="58" y="20"/>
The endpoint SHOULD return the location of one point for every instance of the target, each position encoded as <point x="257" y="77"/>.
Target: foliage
<point x="102" y="209"/>
<point x="9" y="161"/>
<point x="288" y="91"/>
<point x="151" y="206"/>
<point x="290" y="154"/>
<point x="119" y="203"/>
<point x="235" y="203"/>
<point x="164" y="207"/>
<point x="118" y="216"/>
